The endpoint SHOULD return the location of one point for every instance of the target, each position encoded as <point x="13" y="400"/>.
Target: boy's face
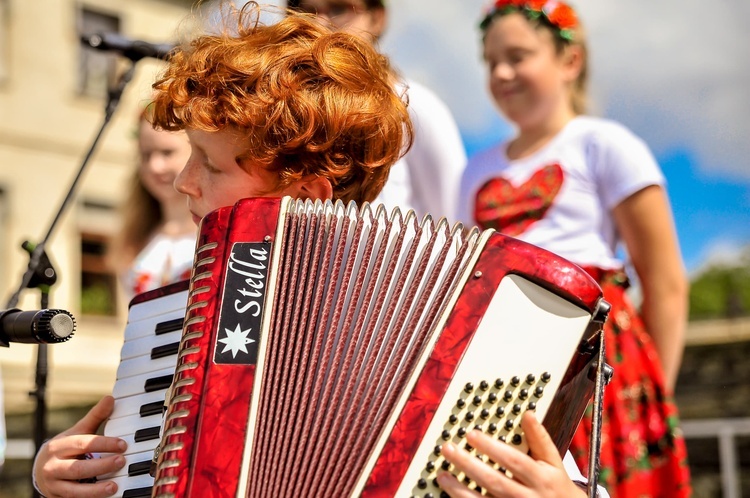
<point x="216" y="176"/>
<point x="351" y="16"/>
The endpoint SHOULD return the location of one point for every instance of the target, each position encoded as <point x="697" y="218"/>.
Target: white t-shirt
<point x="163" y="261"/>
<point x="426" y="178"/>
<point x="561" y="197"/>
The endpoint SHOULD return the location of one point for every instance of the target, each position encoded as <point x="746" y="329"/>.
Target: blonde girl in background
<point x="156" y="243"/>
<point x="583" y="187"/>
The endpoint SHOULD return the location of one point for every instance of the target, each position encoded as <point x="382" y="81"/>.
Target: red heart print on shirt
<point x="510" y="209"/>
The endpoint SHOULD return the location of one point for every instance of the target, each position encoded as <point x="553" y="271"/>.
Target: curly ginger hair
<point x="308" y="100"/>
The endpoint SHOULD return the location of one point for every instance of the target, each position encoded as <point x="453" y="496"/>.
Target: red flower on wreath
<point x="557" y="12"/>
<point x="563" y="16"/>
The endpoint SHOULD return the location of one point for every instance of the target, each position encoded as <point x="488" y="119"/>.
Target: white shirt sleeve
<point x="437" y="157"/>
<point x="575" y="475"/>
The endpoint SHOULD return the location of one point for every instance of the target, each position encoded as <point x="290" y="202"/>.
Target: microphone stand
<point x="41" y="274"/>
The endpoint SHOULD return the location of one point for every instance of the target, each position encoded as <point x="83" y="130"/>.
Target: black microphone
<point x="134" y="50"/>
<point x="50" y="326"/>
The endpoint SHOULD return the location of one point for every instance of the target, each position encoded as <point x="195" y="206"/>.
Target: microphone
<point x="134" y="50"/>
<point x="49" y="326"/>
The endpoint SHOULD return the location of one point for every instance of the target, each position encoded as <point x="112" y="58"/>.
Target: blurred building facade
<point x="53" y="95"/>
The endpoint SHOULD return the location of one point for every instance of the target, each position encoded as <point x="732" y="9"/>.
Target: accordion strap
<point x="603" y="376"/>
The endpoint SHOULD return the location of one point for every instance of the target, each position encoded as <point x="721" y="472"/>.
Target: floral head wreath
<point x="557" y="13"/>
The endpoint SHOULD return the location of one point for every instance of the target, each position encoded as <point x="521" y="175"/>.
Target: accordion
<point x="324" y="349"/>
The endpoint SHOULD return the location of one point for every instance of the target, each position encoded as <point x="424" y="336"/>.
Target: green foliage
<point x="721" y="291"/>
<point x="97" y="299"/>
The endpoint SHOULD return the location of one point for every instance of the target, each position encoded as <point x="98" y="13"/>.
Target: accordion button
<point x="538" y="391"/>
<point x="515" y="381"/>
<point x="532" y="406"/>
<point x="517" y="439"/>
<point x="453" y="419"/>
<point x="546" y="376"/>
<point x="446" y="435"/>
<point x="516" y="409"/>
<point x="477" y="400"/>
<point x="500" y="411"/>
<point x="469" y="416"/>
<point x="492" y="397"/>
<point x="499" y="383"/>
<point x="468" y="387"/>
<point x="485" y="414"/>
<point x="484" y="385"/>
<point x="422" y="484"/>
<point x="530" y="379"/>
<point x="523" y="393"/>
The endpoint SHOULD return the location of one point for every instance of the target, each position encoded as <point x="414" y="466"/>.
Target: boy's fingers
<point x="90" y="423"/>
<point x="495" y="482"/>
<point x="74" y="446"/>
<point x="97" y="490"/>
<point x="77" y="470"/>
<point x="540" y="443"/>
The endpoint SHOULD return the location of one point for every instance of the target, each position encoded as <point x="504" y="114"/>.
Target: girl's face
<point x="528" y="78"/>
<point x="216" y="175"/>
<point x="162" y="156"/>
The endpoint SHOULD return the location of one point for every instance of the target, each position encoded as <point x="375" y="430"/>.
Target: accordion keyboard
<point x="147" y="365"/>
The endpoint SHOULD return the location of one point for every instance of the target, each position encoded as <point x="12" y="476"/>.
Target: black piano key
<point x="149" y="409"/>
<point x="139" y="469"/>
<point x="157" y="383"/>
<point x="165" y="350"/>
<point x="169" y="326"/>
<point x="148" y="434"/>
<point x="137" y="493"/>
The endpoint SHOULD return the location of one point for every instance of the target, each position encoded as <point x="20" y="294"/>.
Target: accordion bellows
<point x="329" y="349"/>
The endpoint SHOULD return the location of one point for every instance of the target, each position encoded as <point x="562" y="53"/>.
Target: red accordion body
<point x="329" y="350"/>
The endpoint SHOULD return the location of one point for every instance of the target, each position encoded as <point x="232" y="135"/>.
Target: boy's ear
<point x="314" y="187"/>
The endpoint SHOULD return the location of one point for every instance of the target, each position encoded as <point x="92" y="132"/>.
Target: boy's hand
<point x="59" y="465"/>
<point x="541" y="474"/>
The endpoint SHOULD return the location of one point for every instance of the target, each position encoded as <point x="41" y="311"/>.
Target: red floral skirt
<point x="643" y="453"/>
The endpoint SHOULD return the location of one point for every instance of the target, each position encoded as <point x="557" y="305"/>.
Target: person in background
<point x="156" y="244"/>
<point x="582" y="186"/>
<point x="331" y="131"/>
<point x="426" y="178"/>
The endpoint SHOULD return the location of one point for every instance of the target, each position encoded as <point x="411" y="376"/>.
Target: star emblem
<point x="236" y="340"/>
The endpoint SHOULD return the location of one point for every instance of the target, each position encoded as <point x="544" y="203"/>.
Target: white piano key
<point x="136" y="385"/>
<point x="125" y="483"/>
<point x="140" y="447"/>
<point x="131" y="405"/>
<point x="125" y="425"/>
<point x="144" y="364"/>
<point x="149" y="326"/>
<point x="144" y="345"/>
<point x="159" y="306"/>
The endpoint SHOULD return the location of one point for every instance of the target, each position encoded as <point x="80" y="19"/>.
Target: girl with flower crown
<point x="583" y="187"/>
